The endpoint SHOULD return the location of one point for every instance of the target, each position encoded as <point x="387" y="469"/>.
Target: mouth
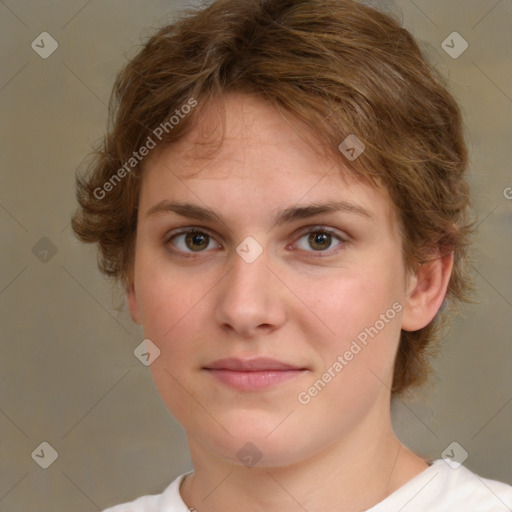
<point x="252" y="374"/>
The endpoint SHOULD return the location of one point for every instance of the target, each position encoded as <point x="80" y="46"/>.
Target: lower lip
<point x="255" y="380"/>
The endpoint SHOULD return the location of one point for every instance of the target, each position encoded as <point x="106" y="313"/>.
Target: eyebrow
<point x="287" y="215"/>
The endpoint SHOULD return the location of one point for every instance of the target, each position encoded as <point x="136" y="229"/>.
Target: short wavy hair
<point x="337" y="66"/>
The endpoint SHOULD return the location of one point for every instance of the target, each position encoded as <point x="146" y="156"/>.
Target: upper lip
<point x="250" y="365"/>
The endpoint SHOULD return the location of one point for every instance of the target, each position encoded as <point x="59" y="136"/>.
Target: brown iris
<point x="198" y="240"/>
<point x="318" y="238"/>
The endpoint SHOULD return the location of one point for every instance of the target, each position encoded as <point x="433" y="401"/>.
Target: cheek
<point x="173" y="319"/>
<point x="168" y="308"/>
<point x="352" y="302"/>
<point x="165" y="293"/>
<point x="363" y="314"/>
<point x="175" y="308"/>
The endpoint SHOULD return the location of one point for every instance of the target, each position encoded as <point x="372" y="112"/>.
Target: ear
<point x="133" y="305"/>
<point x="426" y="291"/>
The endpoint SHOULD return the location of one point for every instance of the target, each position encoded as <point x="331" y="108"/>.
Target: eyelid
<point x="322" y="227"/>
<point x="187" y="229"/>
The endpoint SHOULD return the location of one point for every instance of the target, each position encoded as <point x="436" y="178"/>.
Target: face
<point x="308" y="308"/>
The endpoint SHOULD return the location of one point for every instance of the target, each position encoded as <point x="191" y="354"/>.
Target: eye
<point x="190" y="240"/>
<point x="320" y="240"/>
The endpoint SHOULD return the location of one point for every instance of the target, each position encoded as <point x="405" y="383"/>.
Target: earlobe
<point x="133" y="305"/>
<point x="427" y="290"/>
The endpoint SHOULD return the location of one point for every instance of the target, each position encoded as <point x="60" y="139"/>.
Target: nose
<point x="250" y="300"/>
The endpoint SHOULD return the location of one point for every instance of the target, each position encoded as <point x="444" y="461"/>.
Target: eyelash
<point x="310" y="229"/>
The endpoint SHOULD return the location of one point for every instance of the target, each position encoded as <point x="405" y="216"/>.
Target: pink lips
<point x="253" y="374"/>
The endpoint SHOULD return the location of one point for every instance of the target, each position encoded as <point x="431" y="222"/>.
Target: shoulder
<point x="461" y="487"/>
<point x="441" y="488"/>
<point x="169" y="501"/>
<point x="142" y="504"/>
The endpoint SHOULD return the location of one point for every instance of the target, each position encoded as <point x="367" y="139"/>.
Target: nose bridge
<point x="248" y="297"/>
<point x="249" y="273"/>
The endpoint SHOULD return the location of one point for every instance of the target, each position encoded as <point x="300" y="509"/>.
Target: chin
<point x="260" y="454"/>
<point x="257" y="444"/>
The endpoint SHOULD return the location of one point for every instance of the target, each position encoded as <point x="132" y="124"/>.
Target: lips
<point x="252" y="374"/>
<point x="251" y="365"/>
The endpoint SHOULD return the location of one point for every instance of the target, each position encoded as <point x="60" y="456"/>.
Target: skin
<point x="293" y="303"/>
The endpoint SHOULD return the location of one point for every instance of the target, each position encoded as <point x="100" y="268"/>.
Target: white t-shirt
<point x="439" y="488"/>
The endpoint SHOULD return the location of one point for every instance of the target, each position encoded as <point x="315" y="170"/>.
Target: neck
<point x="354" y="474"/>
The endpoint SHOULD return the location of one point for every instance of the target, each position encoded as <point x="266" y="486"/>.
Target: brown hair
<point x="338" y="67"/>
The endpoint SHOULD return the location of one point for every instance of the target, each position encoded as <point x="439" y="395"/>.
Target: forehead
<point x="251" y="125"/>
<point x="262" y="161"/>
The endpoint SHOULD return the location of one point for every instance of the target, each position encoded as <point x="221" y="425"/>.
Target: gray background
<point x="67" y="369"/>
